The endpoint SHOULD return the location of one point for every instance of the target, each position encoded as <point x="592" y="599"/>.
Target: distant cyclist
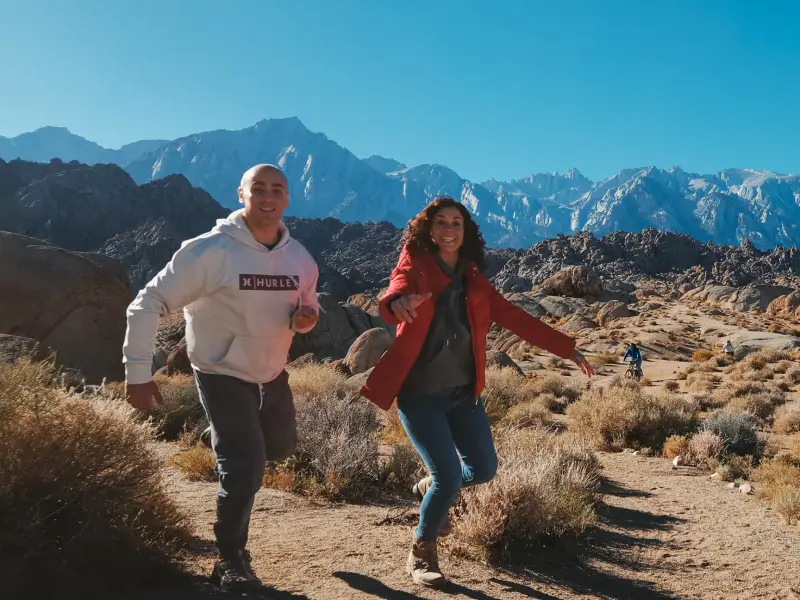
<point x="635" y="356"/>
<point x="728" y="348"/>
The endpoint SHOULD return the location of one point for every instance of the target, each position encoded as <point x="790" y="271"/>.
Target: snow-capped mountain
<point x="47" y="143"/>
<point x="326" y="179"/>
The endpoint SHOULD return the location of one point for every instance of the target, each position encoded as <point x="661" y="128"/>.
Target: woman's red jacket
<point x="422" y="274"/>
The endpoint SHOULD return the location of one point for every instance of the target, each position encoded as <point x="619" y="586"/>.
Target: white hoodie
<point x="238" y="298"/>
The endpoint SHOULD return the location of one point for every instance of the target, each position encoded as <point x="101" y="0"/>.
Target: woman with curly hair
<point x="443" y="305"/>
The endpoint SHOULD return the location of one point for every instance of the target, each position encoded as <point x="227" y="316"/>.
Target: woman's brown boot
<point x="423" y="564"/>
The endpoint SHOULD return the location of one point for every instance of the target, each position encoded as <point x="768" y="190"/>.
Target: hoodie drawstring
<point x="261" y="397"/>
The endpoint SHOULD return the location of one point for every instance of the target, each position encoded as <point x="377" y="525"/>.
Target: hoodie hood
<point x="234" y="226"/>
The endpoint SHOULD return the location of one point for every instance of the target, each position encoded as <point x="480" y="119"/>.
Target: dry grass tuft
<point x="602" y="360"/>
<point x="676" y="445"/>
<point x="504" y="389"/>
<point x="528" y="414"/>
<point x="546" y="487"/>
<point x="621" y="417"/>
<point x="787" y="420"/>
<point x="196" y="463"/>
<point x="778" y="480"/>
<point x="181" y="410"/>
<point x="314" y="380"/>
<point x="739" y="433"/>
<point x="79" y="473"/>
<point x="701" y="356"/>
<point x="672" y="386"/>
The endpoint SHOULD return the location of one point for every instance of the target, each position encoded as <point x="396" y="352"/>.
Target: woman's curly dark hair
<point x="417" y="236"/>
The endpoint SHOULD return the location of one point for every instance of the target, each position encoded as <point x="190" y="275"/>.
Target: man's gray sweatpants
<point x="250" y="424"/>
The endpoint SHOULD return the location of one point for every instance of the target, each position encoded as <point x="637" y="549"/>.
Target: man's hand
<point x="140" y="395"/>
<point x="580" y="360"/>
<point x="404" y="307"/>
<point x="304" y="318"/>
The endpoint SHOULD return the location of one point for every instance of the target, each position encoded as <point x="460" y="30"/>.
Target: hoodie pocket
<point x="257" y="359"/>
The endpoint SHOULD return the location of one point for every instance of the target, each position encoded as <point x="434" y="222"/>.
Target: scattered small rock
<point x="746" y="488"/>
<point x="731" y="486"/>
<point x="716" y="477"/>
<point x="679" y="461"/>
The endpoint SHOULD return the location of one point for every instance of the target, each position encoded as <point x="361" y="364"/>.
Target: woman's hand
<point x="584" y="365"/>
<point x="403" y="308"/>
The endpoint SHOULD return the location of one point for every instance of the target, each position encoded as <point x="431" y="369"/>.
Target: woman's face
<point x="447" y="229"/>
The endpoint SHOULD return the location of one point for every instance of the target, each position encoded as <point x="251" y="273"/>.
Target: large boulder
<point x="611" y="311"/>
<point x="72" y="302"/>
<point x="15" y="347"/>
<point x="576" y="282"/>
<point x="785" y="306"/>
<point x="752" y="298"/>
<point x="367" y="350"/>
<point x="338" y="327"/>
<point x="576" y="323"/>
<point x="500" y="360"/>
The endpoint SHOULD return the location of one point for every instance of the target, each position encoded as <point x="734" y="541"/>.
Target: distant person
<point x="728" y="348"/>
<point x="247" y="286"/>
<point x="636" y="357"/>
<point x="443" y="305"/>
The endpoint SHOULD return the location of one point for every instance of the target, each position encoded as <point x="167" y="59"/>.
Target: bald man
<point x="245" y="288"/>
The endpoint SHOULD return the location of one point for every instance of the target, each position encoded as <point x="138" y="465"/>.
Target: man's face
<point x="265" y="197"/>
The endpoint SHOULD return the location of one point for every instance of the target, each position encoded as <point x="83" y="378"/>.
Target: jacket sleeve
<point x="400" y="284"/>
<point x="530" y="329"/>
<point x="187" y="276"/>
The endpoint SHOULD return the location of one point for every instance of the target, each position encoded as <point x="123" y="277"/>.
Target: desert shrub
<point x="699" y="382"/>
<point x="672" y="386"/>
<point x="701" y="356"/>
<point x="721" y="360"/>
<point x="83" y="508"/>
<point x="787" y="420"/>
<point x="313" y="380"/>
<point x="601" y="360"/>
<point x="682" y="376"/>
<point x="676" y="445"/>
<point x="556" y="363"/>
<point x="739" y="433"/>
<point x="196" y="463"/>
<point x="528" y="414"/>
<point x="737" y="466"/>
<point x="645" y="382"/>
<point x="706" y="446"/>
<point x="551" y="403"/>
<point x="546" y="487"/>
<point x="337" y="450"/>
<point x="504" y="388"/>
<point x="403" y="468"/>
<point x="792" y="376"/>
<point x="181" y="410"/>
<point x="620" y="417"/>
<point x="782" y="367"/>
<point x="778" y="480"/>
<point x="761" y="406"/>
<point x="620" y="382"/>
<point x="786" y="501"/>
<point x="564" y="392"/>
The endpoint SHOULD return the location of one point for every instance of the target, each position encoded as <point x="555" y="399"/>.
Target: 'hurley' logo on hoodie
<point x="269" y="283"/>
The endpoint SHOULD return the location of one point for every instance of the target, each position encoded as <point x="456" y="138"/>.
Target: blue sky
<point x="500" y="89"/>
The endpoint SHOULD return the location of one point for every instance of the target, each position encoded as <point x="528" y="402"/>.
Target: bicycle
<point x="633" y="372"/>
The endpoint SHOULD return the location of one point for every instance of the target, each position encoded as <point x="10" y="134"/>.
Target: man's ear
<point x="241" y="195"/>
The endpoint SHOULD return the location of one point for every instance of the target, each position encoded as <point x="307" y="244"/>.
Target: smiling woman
<point x="443" y="305"/>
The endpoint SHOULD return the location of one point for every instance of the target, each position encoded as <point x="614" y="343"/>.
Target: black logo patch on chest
<point x="269" y="283"/>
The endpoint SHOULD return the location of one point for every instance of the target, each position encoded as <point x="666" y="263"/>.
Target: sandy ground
<point x="663" y="533"/>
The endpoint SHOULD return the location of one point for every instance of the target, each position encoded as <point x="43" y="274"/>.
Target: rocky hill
<point x="630" y="259"/>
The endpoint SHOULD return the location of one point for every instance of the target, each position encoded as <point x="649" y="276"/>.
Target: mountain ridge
<point x="327" y="180"/>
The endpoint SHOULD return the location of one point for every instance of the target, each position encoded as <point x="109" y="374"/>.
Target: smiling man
<point x="246" y="287"/>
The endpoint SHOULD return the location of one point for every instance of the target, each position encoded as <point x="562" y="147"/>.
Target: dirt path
<point x="664" y="534"/>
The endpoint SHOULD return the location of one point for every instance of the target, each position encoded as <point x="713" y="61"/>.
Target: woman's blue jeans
<point x="451" y="433"/>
